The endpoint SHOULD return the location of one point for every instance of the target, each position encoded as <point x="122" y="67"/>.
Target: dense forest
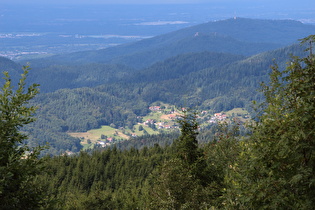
<point x="210" y="81"/>
<point x="271" y="167"/>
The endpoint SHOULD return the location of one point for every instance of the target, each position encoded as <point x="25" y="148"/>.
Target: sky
<point x="113" y="1"/>
<point x="278" y="4"/>
<point x="108" y="1"/>
<point x="306" y="2"/>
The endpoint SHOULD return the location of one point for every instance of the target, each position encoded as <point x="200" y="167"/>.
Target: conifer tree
<point x="277" y="170"/>
<point x="187" y="144"/>
<point x="182" y="181"/>
<point x="18" y="163"/>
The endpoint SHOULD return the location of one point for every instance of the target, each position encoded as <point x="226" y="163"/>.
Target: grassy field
<point x="105" y="130"/>
<point x="153" y="116"/>
<point x="148" y="129"/>
<point x="237" y="111"/>
<point x="88" y="146"/>
<point x="93" y="136"/>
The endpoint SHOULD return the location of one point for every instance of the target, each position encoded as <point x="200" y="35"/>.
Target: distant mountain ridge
<point x="10" y="66"/>
<point x="238" y="36"/>
<point x="194" y="44"/>
<point x="283" y="32"/>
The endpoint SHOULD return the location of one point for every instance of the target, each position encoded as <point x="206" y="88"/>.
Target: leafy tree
<point x="277" y="170"/>
<point x="18" y="162"/>
<point x="221" y="153"/>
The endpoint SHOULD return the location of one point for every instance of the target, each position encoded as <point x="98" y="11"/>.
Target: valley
<point x="110" y="90"/>
<point x="160" y="119"/>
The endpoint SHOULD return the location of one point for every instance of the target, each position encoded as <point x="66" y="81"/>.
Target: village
<point x="161" y="118"/>
<point x="164" y="118"/>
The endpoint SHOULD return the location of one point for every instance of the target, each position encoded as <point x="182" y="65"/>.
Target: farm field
<point x="158" y="120"/>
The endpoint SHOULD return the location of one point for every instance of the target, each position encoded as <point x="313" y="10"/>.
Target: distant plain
<point x="31" y="31"/>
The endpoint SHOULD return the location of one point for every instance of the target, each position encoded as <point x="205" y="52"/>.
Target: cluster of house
<point x="103" y="144"/>
<point x="108" y="142"/>
<point x="162" y="125"/>
<point x="149" y="122"/>
<point x="155" y="108"/>
<point x="217" y="117"/>
<point x="158" y="125"/>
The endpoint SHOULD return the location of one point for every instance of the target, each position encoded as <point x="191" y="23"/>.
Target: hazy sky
<point x="109" y="1"/>
<point x="306" y="2"/>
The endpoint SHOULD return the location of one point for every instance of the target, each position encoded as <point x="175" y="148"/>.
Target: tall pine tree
<point x="184" y="182"/>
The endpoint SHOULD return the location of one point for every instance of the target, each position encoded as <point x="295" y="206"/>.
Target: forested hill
<point x="283" y="32"/>
<point x="217" y="87"/>
<point x="197" y="42"/>
<point x="57" y="77"/>
<point x="11" y="67"/>
<point x="238" y="36"/>
<point x="7" y="65"/>
<point x="91" y="75"/>
<point x="214" y="66"/>
<point x="181" y="65"/>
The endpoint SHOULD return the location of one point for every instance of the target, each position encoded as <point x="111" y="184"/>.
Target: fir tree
<point x="18" y="163"/>
<point x="182" y="182"/>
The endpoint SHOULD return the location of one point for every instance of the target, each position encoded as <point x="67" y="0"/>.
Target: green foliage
<point x="57" y="77"/>
<point x="104" y="179"/>
<point x="186" y="181"/>
<point x="19" y="164"/>
<point x="222" y="153"/>
<point x="11" y="67"/>
<point x="147" y="140"/>
<point x="187" y="144"/>
<point x="276" y="167"/>
<point x="176" y="187"/>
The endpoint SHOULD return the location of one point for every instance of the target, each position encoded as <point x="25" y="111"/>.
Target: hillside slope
<point x="217" y="87"/>
<point x="10" y="66"/>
